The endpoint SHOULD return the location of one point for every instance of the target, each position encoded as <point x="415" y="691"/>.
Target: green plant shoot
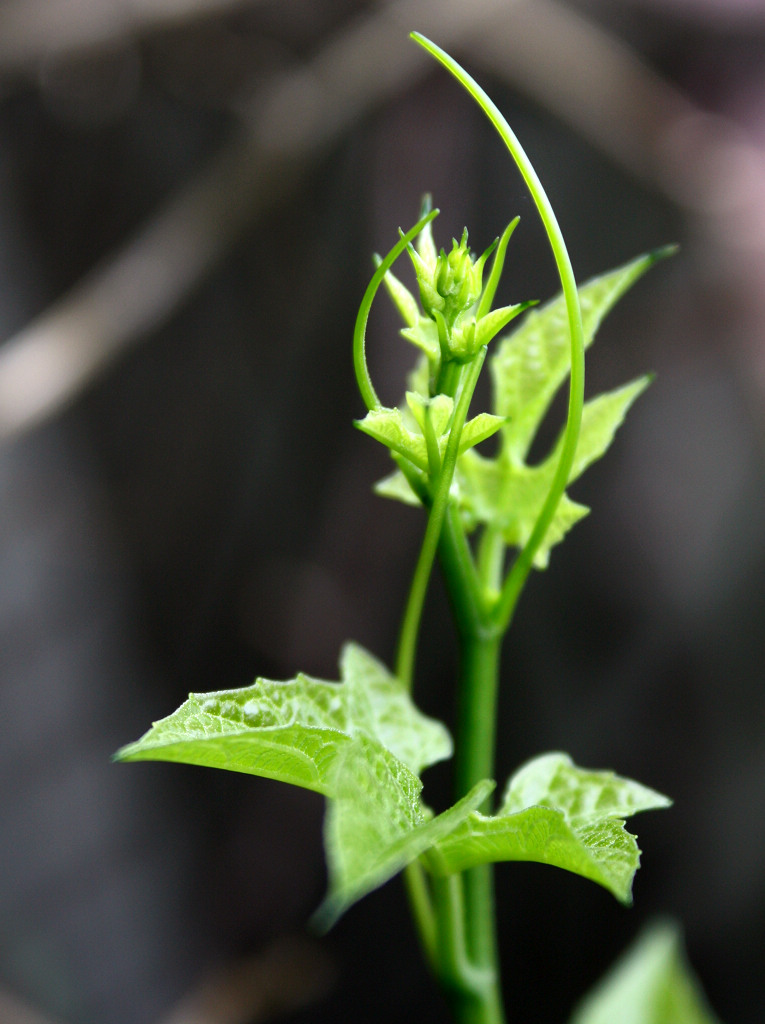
<point x="491" y="520"/>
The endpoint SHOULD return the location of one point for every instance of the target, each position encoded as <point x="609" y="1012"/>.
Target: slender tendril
<point x="480" y="649"/>
<point x="410" y="626"/>
<point x="518" y="575"/>
<point x="363" y="379"/>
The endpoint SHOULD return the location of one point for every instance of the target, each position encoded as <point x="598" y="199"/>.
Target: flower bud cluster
<point x="449" y="283"/>
<point x="450" y="286"/>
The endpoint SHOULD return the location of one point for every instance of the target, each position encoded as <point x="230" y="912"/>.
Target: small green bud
<point x="464" y="341"/>
<point x="458" y="280"/>
<point x="449" y="283"/>
<point x="426" y="247"/>
<point x="425" y="269"/>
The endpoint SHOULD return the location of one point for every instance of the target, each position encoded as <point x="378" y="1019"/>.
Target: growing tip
<point x="663" y="252"/>
<point x="427" y="44"/>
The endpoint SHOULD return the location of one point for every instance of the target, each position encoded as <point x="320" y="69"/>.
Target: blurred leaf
<point x="509" y="495"/>
<point x="395" y="486"/>
<point x="651" y="984"/>
<point x="496" y="492"/>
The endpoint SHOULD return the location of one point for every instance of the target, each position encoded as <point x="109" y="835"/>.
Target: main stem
<point x="478" y="1000"/>
<point x="478" y="684"/>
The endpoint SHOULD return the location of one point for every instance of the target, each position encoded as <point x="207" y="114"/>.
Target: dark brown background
<point x="194" y="507"/>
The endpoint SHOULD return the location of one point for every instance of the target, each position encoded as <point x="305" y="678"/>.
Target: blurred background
<point x="190" y="193"/>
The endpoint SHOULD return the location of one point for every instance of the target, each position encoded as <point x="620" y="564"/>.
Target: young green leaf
<point x="396" y="486"/>
<point x="555" y="813"/>
<point x="530" y="364"/>
<point x="528" y="367"/>
<point x="481" y="427"/>
<point x="294" y="731"/>
<point x="507" y="494"/>
<point x="389" y="427"/>
<point x="438" y="410"/>
<point x="495" y="492"/>
<point x="424" y="334"/>
<point x="401" y="297"/>
<point x="651" y="984"/>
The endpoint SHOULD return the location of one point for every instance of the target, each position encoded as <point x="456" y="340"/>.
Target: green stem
<point x="459" y="567"/>
<point x="448" y="377"/>
<point x="479" y="672"/>
<point x="423" y="911"/>
<point x="476" y="716"/>
<point x="477" y="708"/>
<point x="410" y="627"/>
<point x="471" y="987"/>
<point x="491" y="560"/>
<point x="480" y="647"/>
<point x="431" y="446"/>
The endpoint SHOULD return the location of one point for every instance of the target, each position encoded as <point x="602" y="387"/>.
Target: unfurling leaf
<point x="377" y="825"/>
<point x="389" y="426"/>
<point x="555" y="813"/>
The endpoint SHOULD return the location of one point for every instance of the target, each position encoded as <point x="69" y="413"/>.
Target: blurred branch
<point x="36" y="30"/>
<point x="46" y="365"/>
<point x="581" y="73"/>
<point x="14" y="1011"/>
<point x="599" y="86"/>
<point x="288" y="976"/>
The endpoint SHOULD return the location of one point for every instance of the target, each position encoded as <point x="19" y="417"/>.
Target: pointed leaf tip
<point x="663" y="252"/>
<point x="295" y="731"/>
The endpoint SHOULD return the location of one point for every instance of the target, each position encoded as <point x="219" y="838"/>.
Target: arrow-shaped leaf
<point x="555" y="813"/>
<point x="531" y="363"/>
<point x="508" y="494"/>
<point x="294" y="731"/>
